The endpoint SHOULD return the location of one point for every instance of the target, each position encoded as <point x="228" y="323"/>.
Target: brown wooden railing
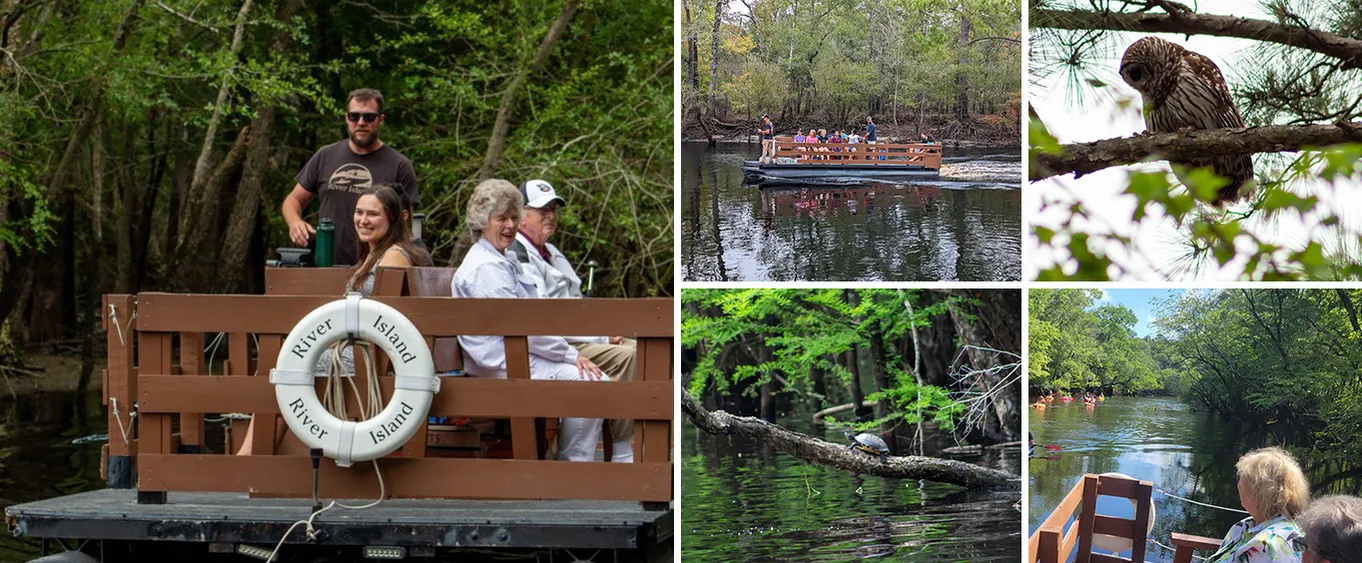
<point x="156" y="360"/>
<point x="861" y="154"/>
<point x="1050" y="544"/>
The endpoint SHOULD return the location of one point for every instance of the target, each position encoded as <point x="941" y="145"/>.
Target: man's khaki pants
<point x="617" y="361"/>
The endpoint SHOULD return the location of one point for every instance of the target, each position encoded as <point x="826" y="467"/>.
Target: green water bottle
<point x="326" y="243"/>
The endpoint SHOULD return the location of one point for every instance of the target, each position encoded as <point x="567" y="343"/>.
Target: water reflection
<point x="38" y="460"/>
<point x="963" y="226"/>
<point x="745" y="501"/>
<point x="1161" y="440"/>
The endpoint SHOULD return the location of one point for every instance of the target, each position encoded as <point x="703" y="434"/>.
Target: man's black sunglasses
<point x="355" y="116"/>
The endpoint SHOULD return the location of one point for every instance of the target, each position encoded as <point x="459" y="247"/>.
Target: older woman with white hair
<point x="1273" y="489"/>
<point x="487" y="272"/>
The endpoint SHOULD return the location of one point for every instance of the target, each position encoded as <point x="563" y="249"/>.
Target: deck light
<point x="377" y="552"/>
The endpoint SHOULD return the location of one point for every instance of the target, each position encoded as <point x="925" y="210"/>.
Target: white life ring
<point x="415" y="386"/>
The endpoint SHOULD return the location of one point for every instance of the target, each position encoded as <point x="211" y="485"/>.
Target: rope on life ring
<point x="414" y="387"/>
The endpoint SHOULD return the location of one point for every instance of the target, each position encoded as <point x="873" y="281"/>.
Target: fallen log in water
<point x="822" y="452"/>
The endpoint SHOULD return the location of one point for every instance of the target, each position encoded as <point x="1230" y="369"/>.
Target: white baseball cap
<point x="538" y="193"/>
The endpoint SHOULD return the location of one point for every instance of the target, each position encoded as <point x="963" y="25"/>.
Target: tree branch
<point x="1345" y="49"/>
<point x="187" y="17"/>
<point x="1085" y="158"/>
<point x="826" y="453"/>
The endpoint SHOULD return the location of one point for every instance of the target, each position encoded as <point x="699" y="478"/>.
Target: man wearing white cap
<point x="549" y="271"/>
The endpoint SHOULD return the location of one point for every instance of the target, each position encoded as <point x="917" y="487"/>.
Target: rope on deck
<point x="1166" y="493"/>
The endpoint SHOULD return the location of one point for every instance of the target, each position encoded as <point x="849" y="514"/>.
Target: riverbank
<point x="42" y="372"/>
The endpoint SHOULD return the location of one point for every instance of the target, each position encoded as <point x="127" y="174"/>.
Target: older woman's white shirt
<point x="487" y="273"/>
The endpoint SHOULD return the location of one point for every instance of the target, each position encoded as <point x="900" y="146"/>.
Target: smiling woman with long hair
<point x="385" y="237"/>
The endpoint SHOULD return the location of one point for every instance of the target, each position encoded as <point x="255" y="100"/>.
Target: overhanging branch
<point x="1349" y="51"/>
<point x="837" y="455"/>
<point x="1084" y="158"/>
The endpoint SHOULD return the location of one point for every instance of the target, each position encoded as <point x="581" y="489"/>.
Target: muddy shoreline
<point x="46" y="373"/>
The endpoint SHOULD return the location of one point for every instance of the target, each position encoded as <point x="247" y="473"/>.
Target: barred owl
<point x="1184" y="90"/>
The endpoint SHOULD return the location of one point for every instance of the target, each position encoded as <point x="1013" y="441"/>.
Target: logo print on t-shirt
<point x="351" y="178"/>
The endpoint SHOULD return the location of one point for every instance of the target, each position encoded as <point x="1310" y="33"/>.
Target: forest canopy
<point x="915" y="65"/>
<point x="147" y="145"/>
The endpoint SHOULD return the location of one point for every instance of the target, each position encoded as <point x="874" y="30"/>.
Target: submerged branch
<point x="1347" y="50"/>
<point x="821" y="452"/>
<point x="1083" y="158"/>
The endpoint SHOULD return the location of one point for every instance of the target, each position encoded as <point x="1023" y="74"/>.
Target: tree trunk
<point x="768" y="399"/>
<point x="838" y="455"/>
<point x="693" y="61"/>
<point x="497" y="144"/>
<point x="179" y="190"/>
<point x="881" y="382"/>
<point x="820" y="387"/>
<point x="996" y="323"/>
<point x="854" y="382"/>
<point x="961" y="80"/>
<point x="232" y="265"/>
<point x="200" y="219"/>
<point x="719" y="6"/>
<point x="196" y="260"/>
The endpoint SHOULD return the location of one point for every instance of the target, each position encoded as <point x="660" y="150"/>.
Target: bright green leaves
<point x="1152" y="190"/>
<point x="1341" y="162"/>
<point x="1040" y="138"/>
<point x="804" y="329"/>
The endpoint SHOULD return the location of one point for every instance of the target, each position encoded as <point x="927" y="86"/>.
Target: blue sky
<point x="1140" y="301"/>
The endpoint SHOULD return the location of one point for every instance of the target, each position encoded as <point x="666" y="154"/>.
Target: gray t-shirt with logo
<point x="337" y="176"/>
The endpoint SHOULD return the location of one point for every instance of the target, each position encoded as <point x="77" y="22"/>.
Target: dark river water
<point x="742" y="501"/>
<point x="37" y="457"/>
<point x="964" y="225"/>
<point x="1161" y="440"/>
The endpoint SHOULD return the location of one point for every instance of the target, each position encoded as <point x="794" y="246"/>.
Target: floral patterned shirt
<point x="1269" y="542"/>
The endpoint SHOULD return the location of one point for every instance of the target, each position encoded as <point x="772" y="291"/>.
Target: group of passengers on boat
<point x="822" y="145"/>
<point x="375" y="186"/>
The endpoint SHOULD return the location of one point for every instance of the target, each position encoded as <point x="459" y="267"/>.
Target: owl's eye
<point x="1135" y="73"/>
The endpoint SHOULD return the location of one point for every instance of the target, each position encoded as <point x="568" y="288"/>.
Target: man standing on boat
<point x="552" y="275"/>
<point x="870" y="137"/>
<point x="339" y="172"/>
<point x="768" y="140"/>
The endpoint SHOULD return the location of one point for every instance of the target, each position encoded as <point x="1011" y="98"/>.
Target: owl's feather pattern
<point x="1182" y="90"/>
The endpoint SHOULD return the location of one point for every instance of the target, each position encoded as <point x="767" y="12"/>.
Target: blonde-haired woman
<point x="487" y="272"/>
<point x="1274" y="491"/>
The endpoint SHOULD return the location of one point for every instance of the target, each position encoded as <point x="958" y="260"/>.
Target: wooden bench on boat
<point x="1050" y="543"/>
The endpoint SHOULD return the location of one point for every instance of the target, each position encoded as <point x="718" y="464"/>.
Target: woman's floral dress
<point x="1272" y="541"/>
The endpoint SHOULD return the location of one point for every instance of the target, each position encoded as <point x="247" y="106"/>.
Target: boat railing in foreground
<point x="860" y="154"/>
<point x="156" y="362"/>
<point x="1052" y="544"/>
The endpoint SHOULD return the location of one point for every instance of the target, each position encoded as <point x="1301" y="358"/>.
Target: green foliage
<point x="811" y="328"/>
<point x="1290" y="358"/>
<point x="1078" y="346"/>
<point x="595" y="120"/>
<point x="838" y="61"/>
